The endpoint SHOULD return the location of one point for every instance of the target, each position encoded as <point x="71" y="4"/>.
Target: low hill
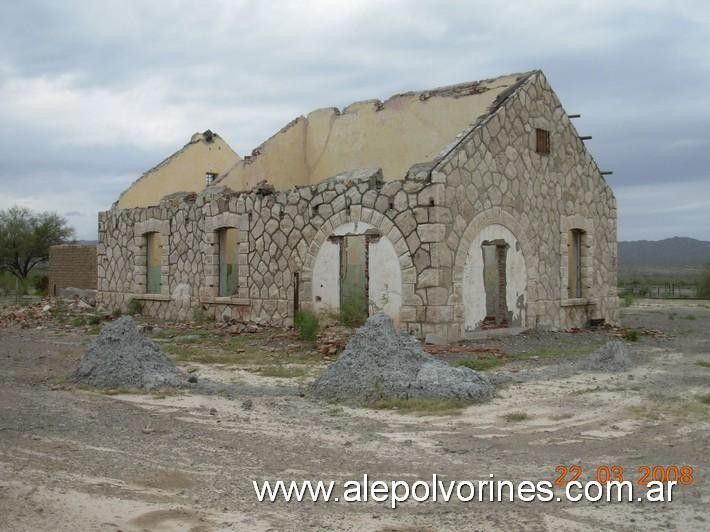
<point x="676" y="251"/>
<point x="677" y="255"/>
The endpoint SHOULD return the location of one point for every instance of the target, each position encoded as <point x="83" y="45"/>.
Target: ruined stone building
<point x="468" y="206"/>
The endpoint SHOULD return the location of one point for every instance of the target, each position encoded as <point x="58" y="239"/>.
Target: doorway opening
<point x="354" y="279"/>
<point x="495" y="283"/>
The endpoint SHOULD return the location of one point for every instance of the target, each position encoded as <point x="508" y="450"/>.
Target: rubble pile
<point x="41" y="313"/>
<point x="463" y="349"/>
<point x="24" y="317"/>
<point x="333" y="340"/>
<point x="656" y="334"/>
<point x="234" y="327"/>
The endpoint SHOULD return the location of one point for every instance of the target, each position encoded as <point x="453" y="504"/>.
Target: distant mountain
<point x="669" y="253"/>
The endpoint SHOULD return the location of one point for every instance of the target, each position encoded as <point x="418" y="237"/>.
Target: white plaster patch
<point x="385" y="279"/>
<point x="326" y="278"/>
<point x="474" y="295"/>
<point x="352" y="228"/>
<point x="182" y="292"/>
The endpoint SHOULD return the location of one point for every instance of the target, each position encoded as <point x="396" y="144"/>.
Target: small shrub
<point x="631" y="335"/>
<point x="9" y="284"/>
<point x="59" y="309"/>
<point x="116" y="313"/>
<point x="78" y="322"/>
<point x="480" y="364"/>
<point x="703" y="364"/>
<point x="705" y="399"/>
<point x="354" y="311"/>
<point x="704" y="285"/>
<point x="628" y="299"/>
<point x="41" y="284"/>
<point x="562" y="416"/>
<point x="513" y="417"/>
<point x="419" y="406"/>
<point x="134" y="307"/>
<point x="307" y="324"/>
<point x="94" y="319"/>
<point x="200" y="314"/>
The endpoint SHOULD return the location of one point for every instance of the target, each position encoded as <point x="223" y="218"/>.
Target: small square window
<point x="210" y="177"/>
<point x="542" y="141"/>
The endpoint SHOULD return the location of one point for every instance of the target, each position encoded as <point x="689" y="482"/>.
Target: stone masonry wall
<point x="281" y="232"/>
<point x="490" y="175"/>
<point x="494" y="175"/>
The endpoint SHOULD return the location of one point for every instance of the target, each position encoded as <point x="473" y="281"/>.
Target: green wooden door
<point x="353" y="280"/>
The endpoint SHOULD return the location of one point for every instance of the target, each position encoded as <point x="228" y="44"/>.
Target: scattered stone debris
<point x="86" y="295"/>
<point x="380" y="362"/>
<point x="612" y="357"/>
<point x="25" y="316"/>
<point x="234" y="327"/>
<point x="120" y="356"/>
<point x="41" y="313"/>
<point x="657" y="334"/>
<point x="464" y="348"/>
<point x="333" y="340"/>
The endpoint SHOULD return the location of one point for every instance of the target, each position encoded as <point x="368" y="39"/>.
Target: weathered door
<point x="353" y="278"/>
<point x="495" y="281"/>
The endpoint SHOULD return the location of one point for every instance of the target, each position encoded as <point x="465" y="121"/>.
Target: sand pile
<point x="380" y="362"/>
<point x="121" y="356"/>
<point x="612" y="357"/>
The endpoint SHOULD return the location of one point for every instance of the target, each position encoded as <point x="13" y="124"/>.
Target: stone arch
<point x="373" y="219"/>
<point x="494" y="216"/>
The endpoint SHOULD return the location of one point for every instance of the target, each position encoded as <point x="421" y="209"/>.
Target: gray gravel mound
<point x="379" y="362"/>
<point x="120" y="356"/>
<point x="612" y="357"/>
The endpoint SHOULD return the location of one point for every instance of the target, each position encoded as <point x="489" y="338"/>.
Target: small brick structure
<point x="72" y="265"/>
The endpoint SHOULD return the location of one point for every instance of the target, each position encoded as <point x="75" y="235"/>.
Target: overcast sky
<point x="94" y="93"/>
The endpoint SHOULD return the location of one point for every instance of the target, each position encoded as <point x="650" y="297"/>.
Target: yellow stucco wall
<point x="183" y="171"/>
<point x="406" y="129"/>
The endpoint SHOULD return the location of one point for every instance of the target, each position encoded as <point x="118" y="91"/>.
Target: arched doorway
<point x="356" y="270"/>
<point x="494" y="280"/>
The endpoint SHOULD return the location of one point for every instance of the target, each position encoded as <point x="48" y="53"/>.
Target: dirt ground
<point x="73" y="459"/>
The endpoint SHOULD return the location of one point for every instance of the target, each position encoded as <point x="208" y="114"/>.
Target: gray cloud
<point x="92" y="94"/>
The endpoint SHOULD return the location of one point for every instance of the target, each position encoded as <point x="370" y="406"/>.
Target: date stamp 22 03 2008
<point x="683" y="475"/>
